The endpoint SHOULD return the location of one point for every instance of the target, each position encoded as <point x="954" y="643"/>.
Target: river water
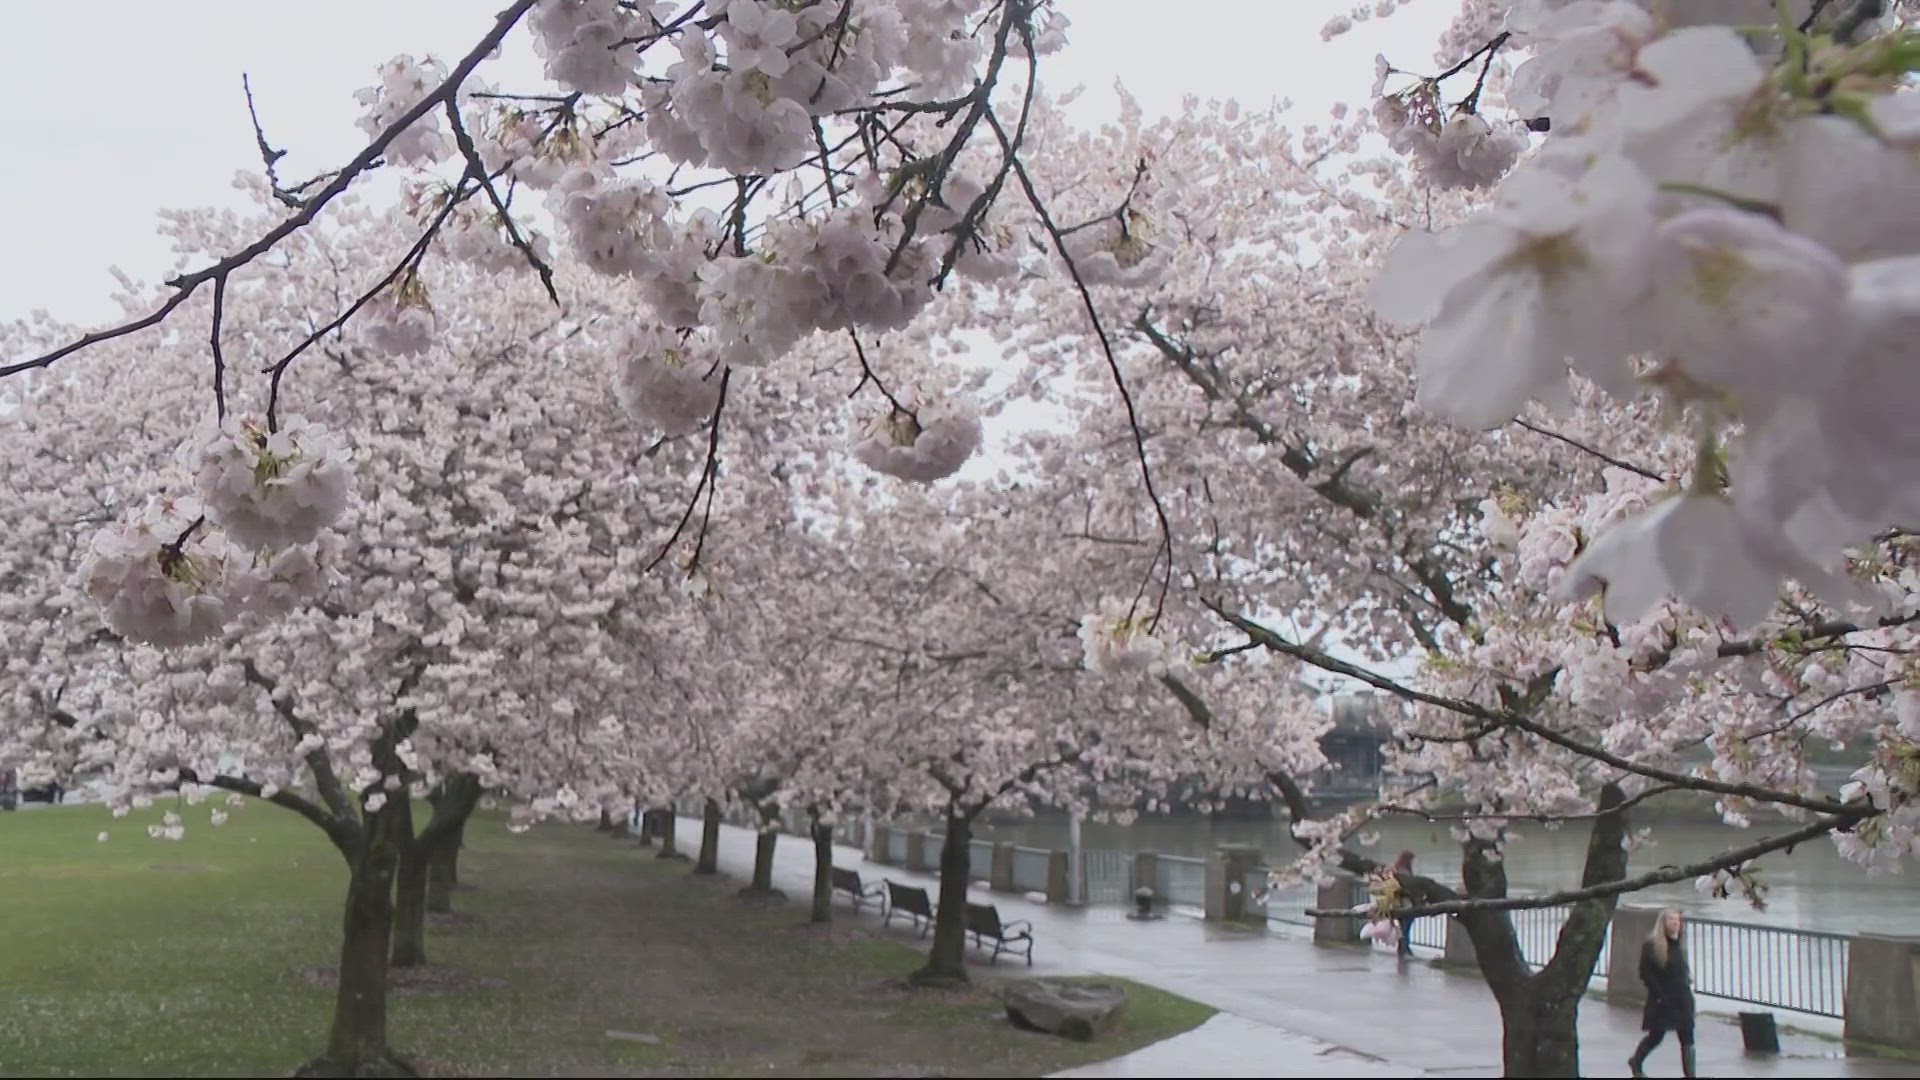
<point x="1812" y="889"/>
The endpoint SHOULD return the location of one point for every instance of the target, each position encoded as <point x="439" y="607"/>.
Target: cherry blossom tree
<point x="1256" y="344"/>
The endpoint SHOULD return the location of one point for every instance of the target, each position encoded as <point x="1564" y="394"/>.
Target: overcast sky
<point x="123" y="107"/>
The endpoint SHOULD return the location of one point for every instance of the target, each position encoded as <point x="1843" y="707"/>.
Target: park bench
<point x="1016" y="937"/>
<point x="848" y="881"/>
<point x="911" y="901"/>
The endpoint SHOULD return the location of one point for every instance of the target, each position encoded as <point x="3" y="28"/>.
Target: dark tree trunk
<point x="649" y="826"/>
<point x="606" y="821"/>
<point x="357" y="1041"/>
<point x="709" y="861"/>
<point x="1540" y="1012"/>
<point x="946" y="962"/>
<point x="822" y="872"/>
<point x="761" y="887"/>
<point x="1540" y="1034"/>
<point x="443" y="872"/>
<point x="410" y="888"/>
<point x="669" y="849"/>
<point x="623" y="825"/>
<point x="416" y="887"/>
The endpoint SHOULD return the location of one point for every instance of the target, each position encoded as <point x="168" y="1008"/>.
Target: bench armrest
<point x="1017" y="927"/>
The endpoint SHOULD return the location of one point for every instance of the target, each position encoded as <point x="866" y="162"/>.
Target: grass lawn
<point x="135" y="956"/>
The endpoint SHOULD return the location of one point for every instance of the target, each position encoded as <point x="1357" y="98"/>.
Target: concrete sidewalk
<point x="1294" y="1009"/>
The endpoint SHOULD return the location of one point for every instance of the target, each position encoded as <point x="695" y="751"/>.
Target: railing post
<point x="1459" y="947"/>
<point x="1226" y="893"/>
<point x="1632" y="926"/>
<point x="1076" y="862"/>
<point x="1057" y="867"/>
<point x="1340" y="891"/>
<point x="881" y="837"/>
<point x="1883" y="1000"/>
<point x="1000" y="875"/>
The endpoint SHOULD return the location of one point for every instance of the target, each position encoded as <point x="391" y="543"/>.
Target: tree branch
<point x="1726" y="860"/>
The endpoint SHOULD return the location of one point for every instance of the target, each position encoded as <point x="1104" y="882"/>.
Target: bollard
<point x="882" y="852"/>
<point x="917" y="850"/>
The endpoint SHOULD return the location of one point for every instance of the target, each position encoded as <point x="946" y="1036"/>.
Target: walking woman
<point x="1663" y="968"/>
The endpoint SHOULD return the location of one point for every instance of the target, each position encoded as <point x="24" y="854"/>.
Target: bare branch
<point x="185" y="284"/>
<point x="477" y="171"/>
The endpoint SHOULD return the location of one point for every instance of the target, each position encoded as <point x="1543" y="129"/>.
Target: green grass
<point x="143" y="957"/>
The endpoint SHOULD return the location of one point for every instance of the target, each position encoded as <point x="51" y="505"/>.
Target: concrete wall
<point x="1883" y="990"/>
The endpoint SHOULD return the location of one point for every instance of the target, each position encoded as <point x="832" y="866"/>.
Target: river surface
<point x="1812" y="889"/>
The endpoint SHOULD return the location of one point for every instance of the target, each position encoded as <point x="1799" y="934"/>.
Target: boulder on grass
<point x="1072" y="1010"/>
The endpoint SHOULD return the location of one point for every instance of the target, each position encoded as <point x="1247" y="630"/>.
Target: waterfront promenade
<point x="1289" y="1008"/>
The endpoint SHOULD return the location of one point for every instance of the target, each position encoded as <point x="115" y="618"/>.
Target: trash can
<point x="1759" y="1032"/>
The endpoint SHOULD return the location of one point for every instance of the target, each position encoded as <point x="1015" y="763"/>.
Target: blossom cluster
<point x="1728" y="225"/>
<point x="250" y="539"/>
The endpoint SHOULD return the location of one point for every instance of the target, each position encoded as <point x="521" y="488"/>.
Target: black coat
<point x="1669" y="989"/>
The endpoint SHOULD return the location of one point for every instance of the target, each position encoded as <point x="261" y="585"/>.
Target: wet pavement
<point x="1290" y="1008"/>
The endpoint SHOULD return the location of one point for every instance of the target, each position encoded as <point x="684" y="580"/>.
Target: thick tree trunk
<point x="761" y="887"/>
<point x="822" y="872"/>
<point x="443" y="872"/>
<point x="649" y="827"/>
<point x="415" y="893"/>
<point x="1540" y="1034"/>
<point x="410" y="890"/>
<point x="709" y="861"/>
<point x="669" y="848"/>
<point x="946" y="961"/>
<point x="454" y="849"/>
<point x="357" y="1041"/>
<point x="606" y="821"/>
<point x="1540" y="1012"/>
<point x="623" y="825"/>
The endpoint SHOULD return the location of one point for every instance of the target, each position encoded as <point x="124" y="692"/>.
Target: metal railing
<point x="1108" y="876"/>
<point x="1778" y="967"/>
<point x="1538" y="931"/>
<point x="1801" y="970"/>
<point x="1183" y="880"/>
<point x="1289" y="903"/>
<point x="1431" y="932"/>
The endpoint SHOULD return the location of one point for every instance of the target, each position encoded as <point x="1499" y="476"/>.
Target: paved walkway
<point x="1290" y="1008"/>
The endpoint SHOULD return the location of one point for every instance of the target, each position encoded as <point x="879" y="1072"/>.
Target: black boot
<point x="1636" y="1063"/>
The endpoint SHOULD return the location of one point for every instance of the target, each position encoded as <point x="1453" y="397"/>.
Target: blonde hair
<point x="1658" y="939"/>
